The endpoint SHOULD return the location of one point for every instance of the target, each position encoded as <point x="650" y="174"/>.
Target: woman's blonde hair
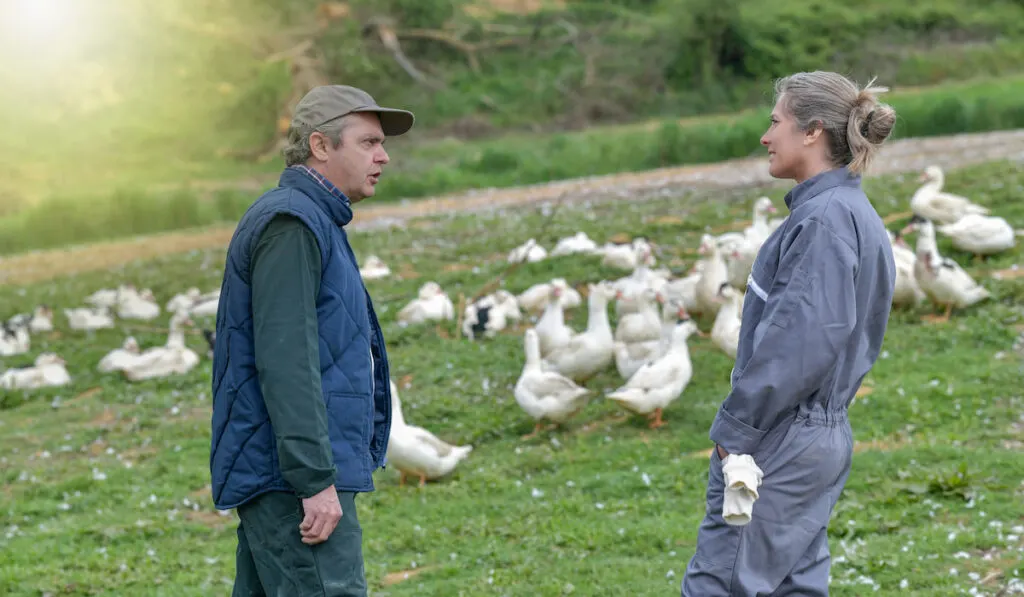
<point x="855" y="123"/>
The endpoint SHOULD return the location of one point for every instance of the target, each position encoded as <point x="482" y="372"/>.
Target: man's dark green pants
<point x="272" y="560"/>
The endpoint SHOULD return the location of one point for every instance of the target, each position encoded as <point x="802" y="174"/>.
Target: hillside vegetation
<point x="158" y="97"/>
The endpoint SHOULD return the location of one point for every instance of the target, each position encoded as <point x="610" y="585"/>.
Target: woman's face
<point x="792" y="153"/>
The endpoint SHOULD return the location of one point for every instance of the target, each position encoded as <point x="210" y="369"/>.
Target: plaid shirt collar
<point x="323" y="182"/>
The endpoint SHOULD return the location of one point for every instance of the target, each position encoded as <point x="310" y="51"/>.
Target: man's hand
<point x="322" y="513"/>
<point x="721" y="452"/>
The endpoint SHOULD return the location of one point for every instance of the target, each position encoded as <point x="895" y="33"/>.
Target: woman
<point x="815" y="312"/>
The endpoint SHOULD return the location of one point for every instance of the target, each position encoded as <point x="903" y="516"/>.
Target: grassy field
<point x="106" y="482"/>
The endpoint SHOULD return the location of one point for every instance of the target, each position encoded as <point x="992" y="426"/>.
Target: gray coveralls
<point x="816" y="309"/>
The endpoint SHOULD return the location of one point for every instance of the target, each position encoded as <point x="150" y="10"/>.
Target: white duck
<point x="14" y="339"/>
<point x="625" y="256"/>
<point x="138" y="306"/>
<point x="551" y="328"/>
<point x="546" y="394"/>
<point x="374" y="268"/>
<point x="630" y="357"/>
<point x="530" y="252"/>
<point x="725" y="332"/>
<point x="205" y="307"/>
<point x="490" y="314"/>
<point x="577" y="243"/>
<point x="119" y="358"/>
<point x="760" y="228"/>
<point x="109" y="297"/>
<point x="907" y="292"/>
<point x="931" y="203"/>
<point x="174" y="357"/>
<point x="85" y="318"/>
<point x="657" y="383"/>
<point x="643" y="324"/>
<point x="183" y="300"/>
<point x="684" y="289"/>
<point x="942" y="279"/>
<point x="643" y="278"/>
<point x="431" y="304"/>
<point x="48" y="371"/>
<point x="715" y="274"/>
<point x="979" y="234"/>
<point x="591" y="351"/>
<point x="535" y="298"/>
<point x="415" y="451"/>
<point x="42" y="320"/>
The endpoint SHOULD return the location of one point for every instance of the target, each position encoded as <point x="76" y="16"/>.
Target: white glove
<point x="742" y="478"/>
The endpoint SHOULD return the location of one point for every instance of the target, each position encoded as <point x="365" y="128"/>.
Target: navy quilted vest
<point x="353" y="359"/>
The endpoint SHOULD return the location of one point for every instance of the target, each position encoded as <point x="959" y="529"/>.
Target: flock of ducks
<point x="130" y="360"/>
<point x="647" y="346"/>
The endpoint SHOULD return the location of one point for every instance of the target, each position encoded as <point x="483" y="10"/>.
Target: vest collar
<point x="327" y="196"/>
<point x="814" y="186"/>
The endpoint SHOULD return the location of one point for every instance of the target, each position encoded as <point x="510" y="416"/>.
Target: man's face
<point x="355" y="165"/>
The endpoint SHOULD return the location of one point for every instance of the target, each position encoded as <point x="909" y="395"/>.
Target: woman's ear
<point x="811" y="135"/>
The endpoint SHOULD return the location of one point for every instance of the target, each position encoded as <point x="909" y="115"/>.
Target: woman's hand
<point x="721" y="452"/>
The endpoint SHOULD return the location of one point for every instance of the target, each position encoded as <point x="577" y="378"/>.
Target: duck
<point x="657" y="383"/>
<point x="546" y="394"/>
<point x="109" y="297"/>
<point x="577" y="243"/>
<point x="725" y="332"/>
<point x="625" y="256"/>
<point x="174" y="357"/>
<point x="528" y="252"/>
<point x="417" y="452"/>
<point x="642" y="278"/>
<point x="490" y="314"/>
<point x="535" y="298"/>
<point x="138" y="306"/>
<point x="431" y="304"/>
<point x="374" y="268"/>
<point x="930" y="203"/>
<point x="119" y="358"/>
<point x="40" y="320"/>
<point x="684" y="289"/>
<point x="760" y="228"/>
<point x="979" y="234"/>
<point x="714" y="274"/>
<point x="14" y="339"/>
<point x="591" y="351"/>
<point x="629" y="357"/>
<point x="551" y="328"/>
<point x="48" y="370"/>
<point x="907" y="292"/>
<point x="643" y="324"/>
<point x="942" y="279"/>
<point x="85" y="318"/>
<point x="183" y="300"/>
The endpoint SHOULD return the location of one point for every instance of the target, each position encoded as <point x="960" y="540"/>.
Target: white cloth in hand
<point x="742" y="478"/>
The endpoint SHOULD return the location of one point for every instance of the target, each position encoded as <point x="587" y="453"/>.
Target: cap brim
<point x="393" y="122"/>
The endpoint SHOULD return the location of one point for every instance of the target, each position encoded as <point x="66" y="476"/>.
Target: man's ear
<point x="318" y="145"/>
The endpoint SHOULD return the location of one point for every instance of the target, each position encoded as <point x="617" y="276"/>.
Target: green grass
<point x="945" y="406"/>
<point x="451" y="165"/>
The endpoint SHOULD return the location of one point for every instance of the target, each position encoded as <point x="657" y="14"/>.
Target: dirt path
<point x="908" y="155"/>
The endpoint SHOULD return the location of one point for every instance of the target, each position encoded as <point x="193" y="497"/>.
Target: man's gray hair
<point x="298" y="151"/>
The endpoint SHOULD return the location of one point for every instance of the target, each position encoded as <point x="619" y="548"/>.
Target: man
<point x="301" y="387"/>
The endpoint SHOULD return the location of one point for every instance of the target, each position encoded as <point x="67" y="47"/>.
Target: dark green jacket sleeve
<point x="285" y="273"/>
